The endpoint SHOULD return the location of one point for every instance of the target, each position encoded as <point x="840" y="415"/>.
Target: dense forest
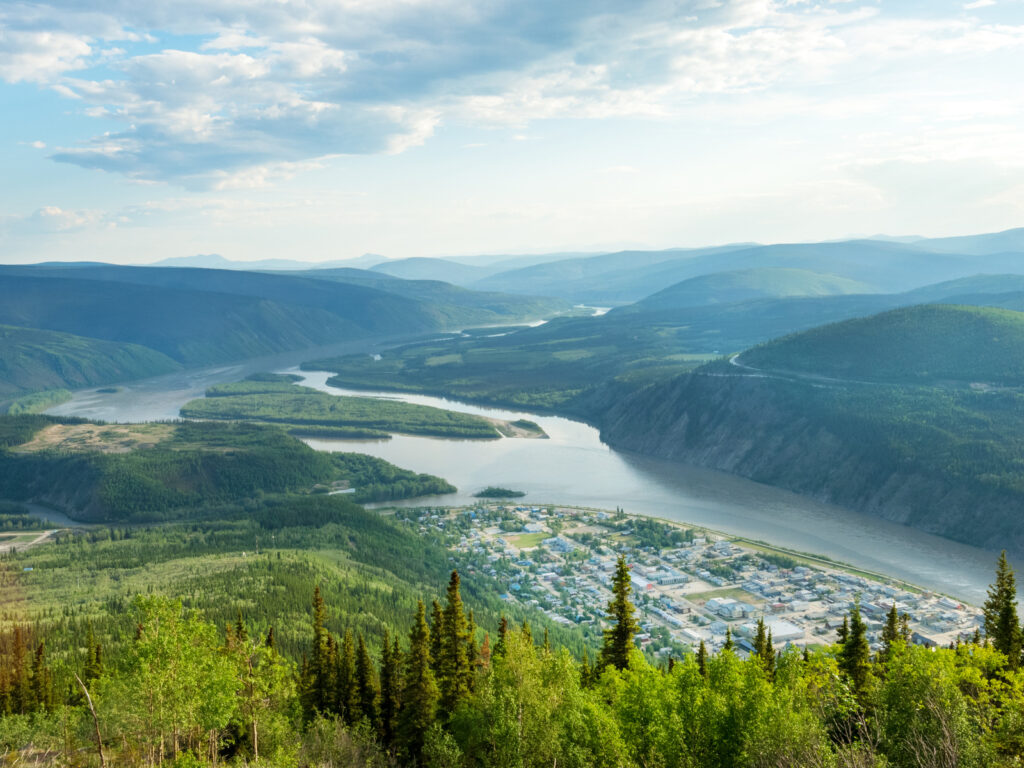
<point x="171" y="471"/>
<point x="443" y="688"/>
<point x="926" y="344"/>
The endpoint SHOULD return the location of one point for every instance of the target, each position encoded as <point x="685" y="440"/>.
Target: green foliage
<point x="494" y="492"/>
<point x="38" y="402"/>
<point x="618" y="638"/>
<point x="1002" y="624"/>
<point x="33" y="359"/>
<point x="201" y="465"/>
<point x="282" y="403"/>
<point x="925" y="344"/>
<point x="378" y="480"/>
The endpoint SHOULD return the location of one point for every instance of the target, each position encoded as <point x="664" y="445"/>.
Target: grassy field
<point x="527" y="540"/>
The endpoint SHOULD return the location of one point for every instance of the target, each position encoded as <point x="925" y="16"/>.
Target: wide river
<point x="574" y="467"/>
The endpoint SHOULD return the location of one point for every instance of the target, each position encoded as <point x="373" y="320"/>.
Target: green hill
<point x="460" y="306"/>
<point x="747" y="285"/>
<point x="32" y="359"/>
<point x="146" y="472"/>
<point x="923" y="344"/>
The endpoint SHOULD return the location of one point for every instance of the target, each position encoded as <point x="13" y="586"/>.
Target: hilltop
<point x="747" y="285"/>
<point x="925" y="344"/>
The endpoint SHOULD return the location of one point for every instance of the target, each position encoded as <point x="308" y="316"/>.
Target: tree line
<point x="186" y="692"/>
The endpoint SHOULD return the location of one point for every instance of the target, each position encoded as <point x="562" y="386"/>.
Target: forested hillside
<point x="927" y="344"/>
<point x="874" y="414"/>
<point x="32" y="359"/>
<point x="153" y="472"/>
<point x="456" y="686"/>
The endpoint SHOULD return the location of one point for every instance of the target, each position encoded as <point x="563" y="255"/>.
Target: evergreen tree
<point x="760" y="639"/>
<point x="702" y="659"/>
<point x="366" y="683"/>
<point x="317" y="693"/>
<point x="241" y="633"/>
<point x="844" y="630"/>
<point x="855" y="653"/>
<point x="436" y="625"/>
<point x="499" y="648"/>
<point x="269" y="642"/>
<point x="345" y="681"/>
<point x="419" y="690"/>
<point x="526" y="632"/>
<point x="390" y="689"/>
<point x="1002" y="625"/>
<point x="618" y="638"/>
<point x="42" y="683"/>
<point x="455" y="673"/>
<point x="93" y="669"/>
<point x="729" y="644"/>
<point x="892" y="634"/>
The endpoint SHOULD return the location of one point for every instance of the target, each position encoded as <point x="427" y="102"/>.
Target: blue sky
<point x="323" y="129"/>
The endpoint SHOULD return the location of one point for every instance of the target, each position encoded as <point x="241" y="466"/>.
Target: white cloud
<point x="277" y="85"/>
<point x="979" y="4"/>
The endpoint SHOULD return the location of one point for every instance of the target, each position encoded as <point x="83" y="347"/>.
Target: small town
<point x="689" y="585"/>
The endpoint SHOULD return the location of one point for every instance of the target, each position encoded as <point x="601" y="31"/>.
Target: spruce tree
<point x="347" y="701"/>
<point x="618" y="638"/>
<point x="892" y="634"/>
<point x="390" y="689"/>
<point x="454" y="667"/>
<point x="526" y="632"/>
<point x="366" y="684"/>
<point x="702" y="659"/>
<point x="760" y="639"/>
<point x="241" y="634"/>
<point x="1002" y="625"/>
<point x="855" y="654"/>
<point x="93" y="658"/>
<point x="499" y="648"/>
<point x="42" y="683"/>
<point x="436" y="624"/>
<point x="317" y="693"/>
<point x="729" y="644"/>
<point x="419" y="691"/>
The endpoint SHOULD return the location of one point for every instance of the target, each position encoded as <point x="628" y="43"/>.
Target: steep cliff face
<point x="783" y="434"/>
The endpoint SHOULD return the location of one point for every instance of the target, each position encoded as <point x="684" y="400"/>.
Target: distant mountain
<point x="607" y="278"/>
<point x="190" y="326"/>
<point x="216" y="261"/>
<point x="433" y="269"/>
<point x="968" y="286"/>
<point x="460" y="305"/>
<point x="32" y="359"/>
<point x="1008" y="241"/>
<point x="750" y="284"/>
<point x="628" y="276"/>
<point x="874" y="414"/>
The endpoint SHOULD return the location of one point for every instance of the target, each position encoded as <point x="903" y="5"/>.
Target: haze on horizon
<point x="135" y="132"/>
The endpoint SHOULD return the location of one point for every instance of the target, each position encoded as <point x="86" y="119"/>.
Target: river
<point x="574" y="467"/>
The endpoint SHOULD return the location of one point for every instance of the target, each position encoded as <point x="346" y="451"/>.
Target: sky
<point x="324" y="129"/>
